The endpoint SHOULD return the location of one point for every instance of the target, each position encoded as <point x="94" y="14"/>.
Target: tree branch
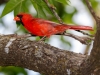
<point x="91" y="9"/>
<point x="38" y="56"/>
<point x="91" y="66"/>
<point x="83" y="40"/>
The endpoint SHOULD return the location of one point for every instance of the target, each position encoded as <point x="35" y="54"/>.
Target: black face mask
<point x="20" y="16"/>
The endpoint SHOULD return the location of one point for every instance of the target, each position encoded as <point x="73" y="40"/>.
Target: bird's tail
<point x="62" y="28"/>
<point x="79" y="27"/>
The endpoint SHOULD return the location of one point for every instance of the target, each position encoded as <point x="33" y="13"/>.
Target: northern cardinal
<point x="41" y="27"/>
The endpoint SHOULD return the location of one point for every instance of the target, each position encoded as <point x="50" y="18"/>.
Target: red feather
<point x="41" y="27"/>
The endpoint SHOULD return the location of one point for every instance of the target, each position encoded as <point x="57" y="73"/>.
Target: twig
<point x="83" y="40"/>
<point x="85" y="33"/>
<point x="52" y="8"/>
<point x="91" y="9"/>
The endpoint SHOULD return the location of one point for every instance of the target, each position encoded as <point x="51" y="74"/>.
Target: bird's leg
<point x="42" y="39"/>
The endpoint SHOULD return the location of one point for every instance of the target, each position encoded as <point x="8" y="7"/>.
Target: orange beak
<point x="16" y="18"/>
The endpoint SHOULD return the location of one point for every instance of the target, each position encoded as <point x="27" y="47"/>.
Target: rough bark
<point x="91" y="65"/>
<point x="39" y="57"/>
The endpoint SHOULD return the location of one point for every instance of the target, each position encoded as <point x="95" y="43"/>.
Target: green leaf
<point x="62" y="1"/>
<point x="45" y="7"/>
<point x="10" y="6"/>
<point x="51" y="1"/>
<point x="21" y="8"/>
<point x="39" y="8"/>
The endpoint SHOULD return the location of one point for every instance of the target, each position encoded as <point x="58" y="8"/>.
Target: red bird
<point x="41" y="27"/>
